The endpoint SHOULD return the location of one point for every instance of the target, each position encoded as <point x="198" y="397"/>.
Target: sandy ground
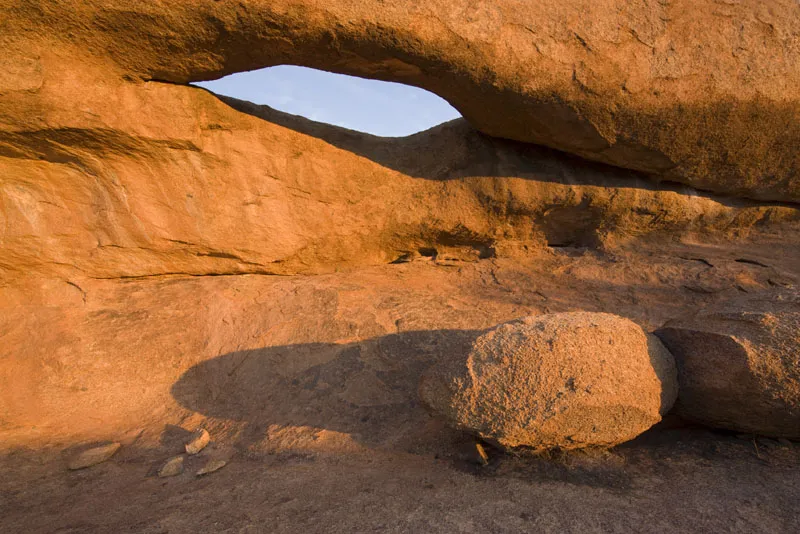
<point x="685" y="480"/>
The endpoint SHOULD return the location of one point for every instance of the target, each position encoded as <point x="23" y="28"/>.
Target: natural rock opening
<point x="615" y="82"/>
<point x="385" y="109"/>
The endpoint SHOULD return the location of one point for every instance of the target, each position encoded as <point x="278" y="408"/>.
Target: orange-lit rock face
<point x="700" y="93"/>
<point x="111" y="169"/>
<point x="106" y="174"/>
<point x="107" y="178"/>
<point x="142" y="221"/>
<point x="755" y="339"/>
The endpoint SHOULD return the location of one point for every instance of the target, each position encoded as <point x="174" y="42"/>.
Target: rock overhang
<point x="691" y="92"/>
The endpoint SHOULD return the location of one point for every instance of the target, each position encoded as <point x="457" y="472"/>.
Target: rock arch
<point x="688" y="91"/>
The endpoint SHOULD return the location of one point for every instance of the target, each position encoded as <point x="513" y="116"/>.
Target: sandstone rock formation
<point x="699" y="92"/>
<point x="739" y="364"/>
<point x="171" y="467"/>
<point x="178" y="182"/>
<point x="333" y="362"/>
<point x="565" y="381"/>
<point x="144" y="221"/>
<point x="211" y="467"/>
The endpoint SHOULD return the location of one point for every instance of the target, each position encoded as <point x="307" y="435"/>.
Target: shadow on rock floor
<point x="360" y="394"/>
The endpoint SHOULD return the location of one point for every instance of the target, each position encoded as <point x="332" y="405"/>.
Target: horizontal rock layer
<point x="140" y="179"/>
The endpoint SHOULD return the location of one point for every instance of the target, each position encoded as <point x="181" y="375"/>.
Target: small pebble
<point x="484" y="458"/>
<point x="198" y="441"/>
<point x="210" y="467"/>
<point x="172" y="467"/>
<point x="94" y="456"/>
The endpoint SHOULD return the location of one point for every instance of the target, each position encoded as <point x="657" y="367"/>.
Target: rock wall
<point x="112" y="167"/>
<point x="104" y="178"/>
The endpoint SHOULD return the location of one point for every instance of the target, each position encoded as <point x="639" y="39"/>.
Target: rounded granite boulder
<point x="566" y="380"/>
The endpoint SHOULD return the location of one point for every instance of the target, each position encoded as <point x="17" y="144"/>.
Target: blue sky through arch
<point x="372" y="106"/>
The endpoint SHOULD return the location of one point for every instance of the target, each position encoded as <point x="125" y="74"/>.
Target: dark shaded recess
<point x="428" y="252"/>
<point x="453" y="150"/>
<point x="751" y="262"/>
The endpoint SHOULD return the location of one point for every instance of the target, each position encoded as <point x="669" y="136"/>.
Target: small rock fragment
<point x="172" y="467"/>
<point x="484" y="458"/>
<point x="210" y="467"/>
<point x="198" y="441"/>
<point x="94" y="456"/>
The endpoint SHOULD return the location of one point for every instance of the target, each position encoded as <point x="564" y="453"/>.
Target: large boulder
<point x="702" y="92"/>
<point x="739" y="364"/>
<point x="566" y="380"/>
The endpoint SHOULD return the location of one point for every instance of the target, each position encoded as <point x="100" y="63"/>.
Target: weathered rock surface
<point x="94" y="456"/>
<point x="292" y="370"/>
<point x="695" y="91"/>
<point x="739" y="364"/>
<point x="568" y="380"/>
<point x="57" y="337"/>
<point x="162" y="179"/>
<point x="110" y="169"/>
